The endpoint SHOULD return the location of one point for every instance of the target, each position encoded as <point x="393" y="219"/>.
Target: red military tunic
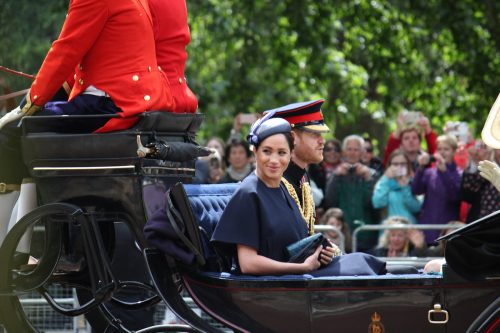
<point x="171" y="33"/>
<point x="111" y="45"/>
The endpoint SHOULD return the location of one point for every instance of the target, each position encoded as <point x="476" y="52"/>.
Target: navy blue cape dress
<point x="267" y="219"/>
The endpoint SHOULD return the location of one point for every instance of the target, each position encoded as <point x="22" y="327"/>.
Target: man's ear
<point x="295" y="135"/>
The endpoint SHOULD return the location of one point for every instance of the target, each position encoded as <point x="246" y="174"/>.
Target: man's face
<point x="308" y="148"/>
<point x="410" y="142"/>
<point x="352" y="152"/>
<point x="238" y="157"/>
<point x="368" y="153"/>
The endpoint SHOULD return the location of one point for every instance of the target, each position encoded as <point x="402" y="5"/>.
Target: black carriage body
<point x="349" y="304"/>
<point x="389" y="303"/>
<point x="102" y="172"/>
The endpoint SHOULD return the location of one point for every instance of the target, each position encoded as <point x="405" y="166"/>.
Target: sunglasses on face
<point x="369" y="149"/>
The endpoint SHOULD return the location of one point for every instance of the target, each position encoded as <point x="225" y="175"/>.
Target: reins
<point x="15" y="73"/>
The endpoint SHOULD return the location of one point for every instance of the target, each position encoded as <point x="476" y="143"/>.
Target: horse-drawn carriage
<point x="88" y="182"/>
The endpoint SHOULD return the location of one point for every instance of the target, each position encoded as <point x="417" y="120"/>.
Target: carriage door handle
<point x="437" y="315"/>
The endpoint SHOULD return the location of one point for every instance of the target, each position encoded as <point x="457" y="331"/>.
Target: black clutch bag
<point x="299" y="251"/>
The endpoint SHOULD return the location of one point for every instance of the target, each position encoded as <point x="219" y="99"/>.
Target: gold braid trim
<point x="308" y="211"/>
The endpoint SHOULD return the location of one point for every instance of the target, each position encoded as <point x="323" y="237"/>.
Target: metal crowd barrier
<point x="370" y="227"/>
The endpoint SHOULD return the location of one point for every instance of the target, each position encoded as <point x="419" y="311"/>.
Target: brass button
<point x="149" y="68"/>
<point x="80" y="67"/>
<point x="147" y="98"/>
<point x="180" y="80"/>
<point x="135" y="78"/>
<point x="35" y="97"/>
<point x="159" y="68"/>
<point x="80" y="81"/>
<point x="74" y="77"/>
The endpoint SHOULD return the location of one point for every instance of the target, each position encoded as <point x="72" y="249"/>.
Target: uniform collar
<point x="294" y="173"/>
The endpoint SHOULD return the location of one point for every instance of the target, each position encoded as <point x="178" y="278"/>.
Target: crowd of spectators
<point x="424" y="176"/>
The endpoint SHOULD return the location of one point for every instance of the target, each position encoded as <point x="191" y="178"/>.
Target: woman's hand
<point x="312" y="262"/>
<point x="342" y="169"/>
<point x="424" y="122"/>
<point x="417" y="238"/>
<point x="403" y="180"/>
<point x="363" y="171"/>
<point x="326" y="255"/>
<point x="440" y="162"/>
<point x="390" y="172"/>
<point x="423" y="159"/>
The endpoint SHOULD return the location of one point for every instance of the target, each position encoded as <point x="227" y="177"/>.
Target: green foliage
<point x="368" y="59"/>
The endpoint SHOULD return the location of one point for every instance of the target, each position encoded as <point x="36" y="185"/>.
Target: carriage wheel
<point x="15" y="282"/>
<point x="132" y="303"/>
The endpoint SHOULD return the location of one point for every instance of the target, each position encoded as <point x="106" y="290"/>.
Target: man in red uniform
<point x="108" y="48"/>
<point x="111" y="45"/>
<point x="172" y="36"/>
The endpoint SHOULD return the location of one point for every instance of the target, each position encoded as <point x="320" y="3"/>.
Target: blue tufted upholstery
<point x="208" y="203"/>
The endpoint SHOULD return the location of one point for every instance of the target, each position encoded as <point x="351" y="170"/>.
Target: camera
<point x="352" y="167"/>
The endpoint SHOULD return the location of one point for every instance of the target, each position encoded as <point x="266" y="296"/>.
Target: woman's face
<point x="397" y="239"/>
<point x="331" y="153"/>
<point x="272" y="158"/>
<point x="446" y="151"/>
<point x="237" y="157"/>
<point x="217" y="146"/>
<point x="400" y="166"/>
<point x="333" y="221"/>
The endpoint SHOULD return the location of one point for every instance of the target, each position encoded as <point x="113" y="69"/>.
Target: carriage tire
<point x="16" y="320"/>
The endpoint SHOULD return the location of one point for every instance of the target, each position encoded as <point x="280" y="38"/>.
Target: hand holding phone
<point x="247" y="118"/>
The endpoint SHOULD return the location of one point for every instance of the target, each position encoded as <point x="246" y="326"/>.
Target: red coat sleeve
<point x="431" y="139"/>
<point x="393" y="143"/>
<point x="83" y="25"/>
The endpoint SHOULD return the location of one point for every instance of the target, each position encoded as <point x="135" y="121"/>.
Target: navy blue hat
<point x="267" y="126"/>
<point x="305" y="115"/>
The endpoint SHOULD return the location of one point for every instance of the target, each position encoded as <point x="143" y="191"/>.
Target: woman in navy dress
<point x="261" y="218"/>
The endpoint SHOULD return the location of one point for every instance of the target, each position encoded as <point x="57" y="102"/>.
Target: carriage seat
<point x="49" y="138"/>
<point x="208" y="203"/>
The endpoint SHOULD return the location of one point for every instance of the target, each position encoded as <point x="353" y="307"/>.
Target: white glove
<point x="28" y="109"/>
<point x="491" y="172"/>
<point x="11" y="116"/>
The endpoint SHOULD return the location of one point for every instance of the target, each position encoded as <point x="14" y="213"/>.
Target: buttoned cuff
<point x="29" y="108"/>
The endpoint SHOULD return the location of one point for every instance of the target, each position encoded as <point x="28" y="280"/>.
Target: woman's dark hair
<point x="288" y="137"/>
<point x="235" y="143"/>
<point x="336" y="143"/>
<point x="339" y="215"/>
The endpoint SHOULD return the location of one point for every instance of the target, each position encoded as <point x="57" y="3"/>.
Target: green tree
<point x="368" y="59"/>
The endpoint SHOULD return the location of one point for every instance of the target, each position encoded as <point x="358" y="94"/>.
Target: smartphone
<point x="411" y="118"/>
<point x="247" y="118"/>
<point x="401" y="171"/>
